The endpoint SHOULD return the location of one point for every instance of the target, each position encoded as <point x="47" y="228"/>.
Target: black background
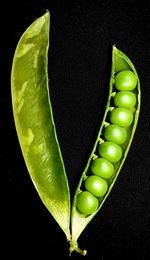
<point x="81" y="37"/>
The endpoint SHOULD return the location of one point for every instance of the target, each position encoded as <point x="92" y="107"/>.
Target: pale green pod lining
<point x="34" y="121"/>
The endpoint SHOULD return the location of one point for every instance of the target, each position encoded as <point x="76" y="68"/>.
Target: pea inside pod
<point x="111" y="147"/>
<point x="34" y="121"/>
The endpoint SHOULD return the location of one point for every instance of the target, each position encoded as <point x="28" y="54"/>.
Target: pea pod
<point x="110" y="149"/>
<point x="34" y="121"/>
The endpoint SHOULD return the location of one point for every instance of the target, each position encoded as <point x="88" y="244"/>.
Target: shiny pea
<point x="121" y="116"/>
<point x="87" y="203"/>
<point x="125" y="80"/>
<point x="115" y="133"/>
<point x="102" y="167"/>
<point x="110" y="151"/>
<point x="96" y="185"/>
<point x="126" y="99"/>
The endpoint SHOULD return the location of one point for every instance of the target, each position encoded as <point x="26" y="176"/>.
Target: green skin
<point x="110" y="151"/>
<point x="87" y="203"/>
<point x="125" y="80"/>
<point x="102" y="168"/>
<point x="121" y="116"/>
<point x="96" y="185"/>
<point x="125" y="99"/>
<point x="115" y="133"/>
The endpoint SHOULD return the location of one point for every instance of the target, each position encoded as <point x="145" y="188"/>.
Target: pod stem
<point x="74" y="247"/>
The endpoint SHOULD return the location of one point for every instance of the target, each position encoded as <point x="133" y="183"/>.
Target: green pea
<point x="87" y="203"/>
<point x="96" y="185"/>
<point x="121" y="116"/>
<point x="102" y="168"/>
<point x="126" y="99"/>
<point x="115" y="133"/>
<point x="125" y="80"/>
<point x="110" y="151"/>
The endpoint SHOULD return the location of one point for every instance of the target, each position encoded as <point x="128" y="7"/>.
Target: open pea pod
<point x="111" y="147"/>
<point x="34" y="121"/>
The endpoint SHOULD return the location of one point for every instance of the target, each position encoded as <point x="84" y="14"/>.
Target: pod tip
<point x="74" y="247"/>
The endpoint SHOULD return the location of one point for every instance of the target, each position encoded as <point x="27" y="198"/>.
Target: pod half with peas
<point x="111" y="147"/>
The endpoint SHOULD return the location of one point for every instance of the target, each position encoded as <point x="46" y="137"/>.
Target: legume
<point x="112" y="144"/>
<point x="34" y="121"/>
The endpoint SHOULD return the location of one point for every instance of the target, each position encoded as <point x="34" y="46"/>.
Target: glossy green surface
<point x="96" y="185"/>
<point x="110" y="151"/>
<point x="125" y="99"/>
<point x="115" y="133"/>
<point x="121" y="116"/>
<point x="34" y="121"/>
<point x="87" y="203"/>
<point x="125" y="80"/>
<point x="102" y="167"/>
